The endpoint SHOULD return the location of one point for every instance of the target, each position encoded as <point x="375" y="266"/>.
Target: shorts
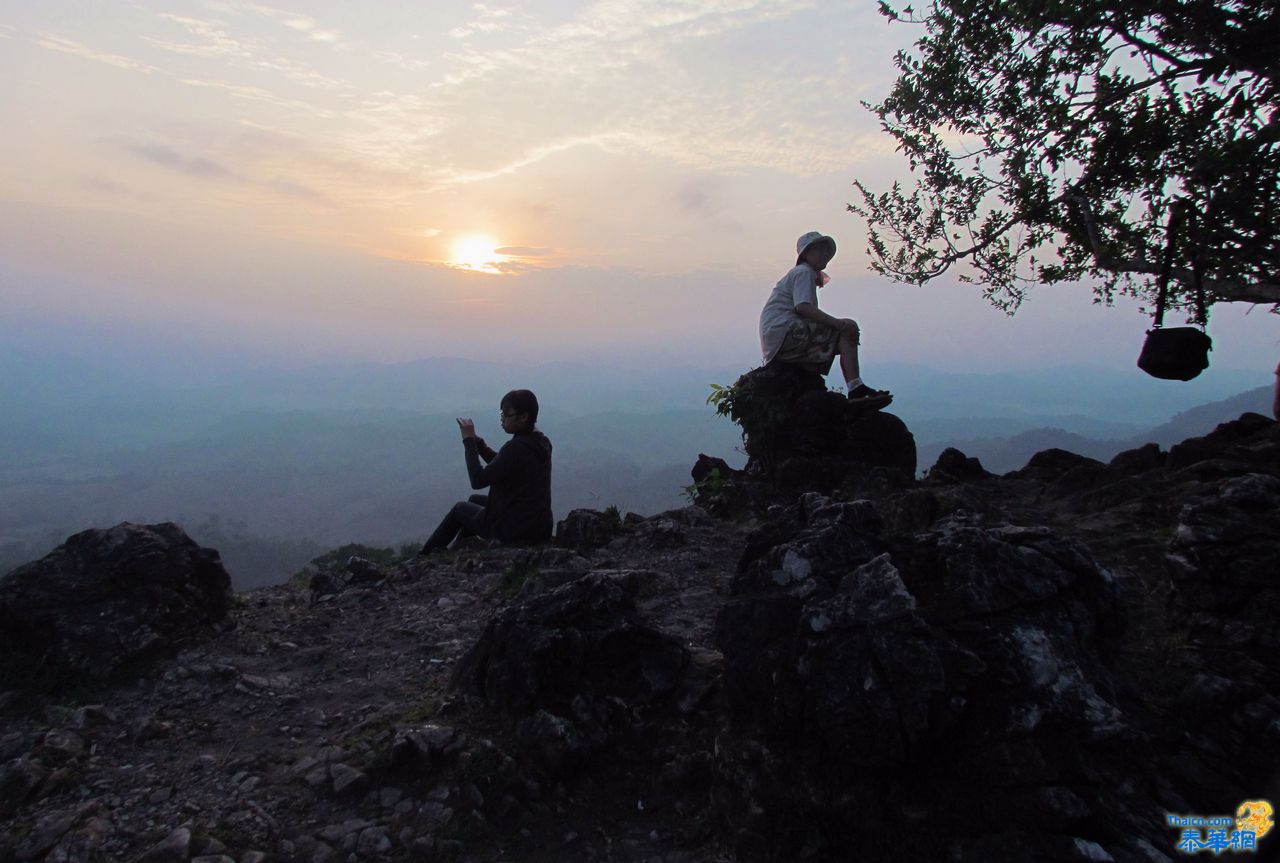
<point x="812" y="346"/>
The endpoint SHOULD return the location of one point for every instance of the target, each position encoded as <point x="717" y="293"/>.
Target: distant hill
<point x="1202" y="419"/>
<point x="293" y="459"/>
<point x="1001" y="454"/>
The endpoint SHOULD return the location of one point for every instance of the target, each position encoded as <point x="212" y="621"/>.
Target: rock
<point x="954" y="466"/>
<point x="660" y="533"/>
<point x="83" y="844"/>
<point x="554" y="741"/>
<point x="202" y="846"/>
<point x="337" y="832"/>
<point x="347" y="780"/>
<point x="424" y="746"/>
<point x="1239" y="440"/>
<point x="1133" y="461"/>
<point x="868" y="675"/>
<point x="16" y="743"/>
<point x="883" y="440"/>
<point x="787" y="413"/>
<point x="586" y="529"/>
<point x="46" y="833"/>
<point x="174" y="848"/>
<point x="373" y="841"/>
<point x="92" y="716"/>
<point x="718" y="488"/>
<point x="19" y="780"/>
<point x="362" y="570"/>
<point x="68" y="743"/>
<point x="107" y="598"/>
<point x="148" y="728"/>
<point x="581" y="639"/>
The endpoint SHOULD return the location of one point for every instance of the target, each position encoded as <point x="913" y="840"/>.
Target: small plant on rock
<point x="762" y="418"/>
<point x="517" y="574"/>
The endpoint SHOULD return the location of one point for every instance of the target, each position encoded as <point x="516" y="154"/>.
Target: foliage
<point x="762" y="419"/>
<point x="335" y="561"/>
<point x="706" y="491"/>
<point x="517" y="574"/>
<point x="1069" y="139"/>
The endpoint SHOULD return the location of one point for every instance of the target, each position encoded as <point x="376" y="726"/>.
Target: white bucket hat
<point x="812" y="237"/>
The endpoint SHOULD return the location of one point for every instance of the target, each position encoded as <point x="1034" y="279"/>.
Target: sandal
<point x="865" y="396"/>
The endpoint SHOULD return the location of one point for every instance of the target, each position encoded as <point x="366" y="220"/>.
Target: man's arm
<point x="504" y="463"/>
<point x="486" y="452"/>
<point x="810" y="312"/>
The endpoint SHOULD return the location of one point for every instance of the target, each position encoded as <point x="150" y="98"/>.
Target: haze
<point x="198" y="196"/>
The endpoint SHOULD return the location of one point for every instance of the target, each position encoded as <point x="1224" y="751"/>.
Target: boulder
<point x="961" y="671"/>
<point x="1140" y="460"/>
<point x="585" y="529"/>
<point x="1244" y="440"/>
<point x="788" y="413"/>
<point x="107" y="598"/>
<point x="1223" y="558"/>
<point x="581" y="641"/>
<point x="954" y="466"/>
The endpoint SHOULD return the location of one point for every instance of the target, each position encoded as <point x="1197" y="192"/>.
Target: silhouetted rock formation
<point x="805" y="436"/>
<point x="107" y="598"/>
<point x="957" y="672"/>
<point x="586" y="529"/>
<point x="580" y="641"/>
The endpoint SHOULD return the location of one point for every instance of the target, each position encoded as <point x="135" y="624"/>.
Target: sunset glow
<point x="542" y="178"/>
<point x="476" y="252"/>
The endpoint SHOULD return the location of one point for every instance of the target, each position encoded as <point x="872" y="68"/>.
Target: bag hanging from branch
<point x="1176" y="353"/>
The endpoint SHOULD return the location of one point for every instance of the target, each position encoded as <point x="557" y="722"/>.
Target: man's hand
<point x="468" y="427"/>
<point x="848" y="325"/>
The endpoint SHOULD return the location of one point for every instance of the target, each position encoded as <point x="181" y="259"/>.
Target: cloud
<point x="7" y="31"/>
<point x="213" y="41"/>
<point x="297" y="190"/>
<point x="699" y="195"/>
<point x="524" y="251"/>
<point x="168" y="157"/>
<point x="635" y="76"/>
<point x="488" y="21"/>
<point x="258" y="94"/>
<point x="68" y="46"/>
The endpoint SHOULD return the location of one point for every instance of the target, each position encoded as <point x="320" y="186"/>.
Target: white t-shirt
<point x="799" y="285"/>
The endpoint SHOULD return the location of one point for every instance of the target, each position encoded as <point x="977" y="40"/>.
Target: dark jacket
<point x="518" y="477"/>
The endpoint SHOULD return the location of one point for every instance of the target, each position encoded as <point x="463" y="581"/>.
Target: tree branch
<point x="1226" y="289"/>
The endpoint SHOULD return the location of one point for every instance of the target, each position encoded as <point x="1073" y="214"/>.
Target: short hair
<point x="521" y="402"/>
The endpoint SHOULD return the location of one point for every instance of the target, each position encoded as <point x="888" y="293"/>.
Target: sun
<point x="476" y="252"/>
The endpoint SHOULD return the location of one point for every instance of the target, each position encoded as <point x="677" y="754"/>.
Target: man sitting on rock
<point x="794" y="330"/>
<point x="517" y="510"/>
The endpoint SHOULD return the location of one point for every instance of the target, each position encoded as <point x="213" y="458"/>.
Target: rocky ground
<point x="277" y="738"/>
<point x="825" y="660"/>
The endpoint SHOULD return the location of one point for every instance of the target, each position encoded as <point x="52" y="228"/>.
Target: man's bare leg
<point x="859" y="393"/>
<point x="848" y="348"/>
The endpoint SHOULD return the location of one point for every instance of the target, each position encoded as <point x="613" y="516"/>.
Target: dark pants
<point x="465" y="519"/>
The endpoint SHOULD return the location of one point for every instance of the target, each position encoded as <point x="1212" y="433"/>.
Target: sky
<point x="549" y="180"/>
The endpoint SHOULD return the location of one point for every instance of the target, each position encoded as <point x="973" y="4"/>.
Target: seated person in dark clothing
<point x="517" y="510"/>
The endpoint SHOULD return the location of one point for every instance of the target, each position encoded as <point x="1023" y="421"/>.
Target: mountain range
<point x="276" y="466"/>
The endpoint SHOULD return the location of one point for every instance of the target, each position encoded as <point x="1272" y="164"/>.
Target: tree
<point x="1059" y="140"/>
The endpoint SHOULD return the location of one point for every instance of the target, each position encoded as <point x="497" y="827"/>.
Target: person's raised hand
<point x="467" y="426"/>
